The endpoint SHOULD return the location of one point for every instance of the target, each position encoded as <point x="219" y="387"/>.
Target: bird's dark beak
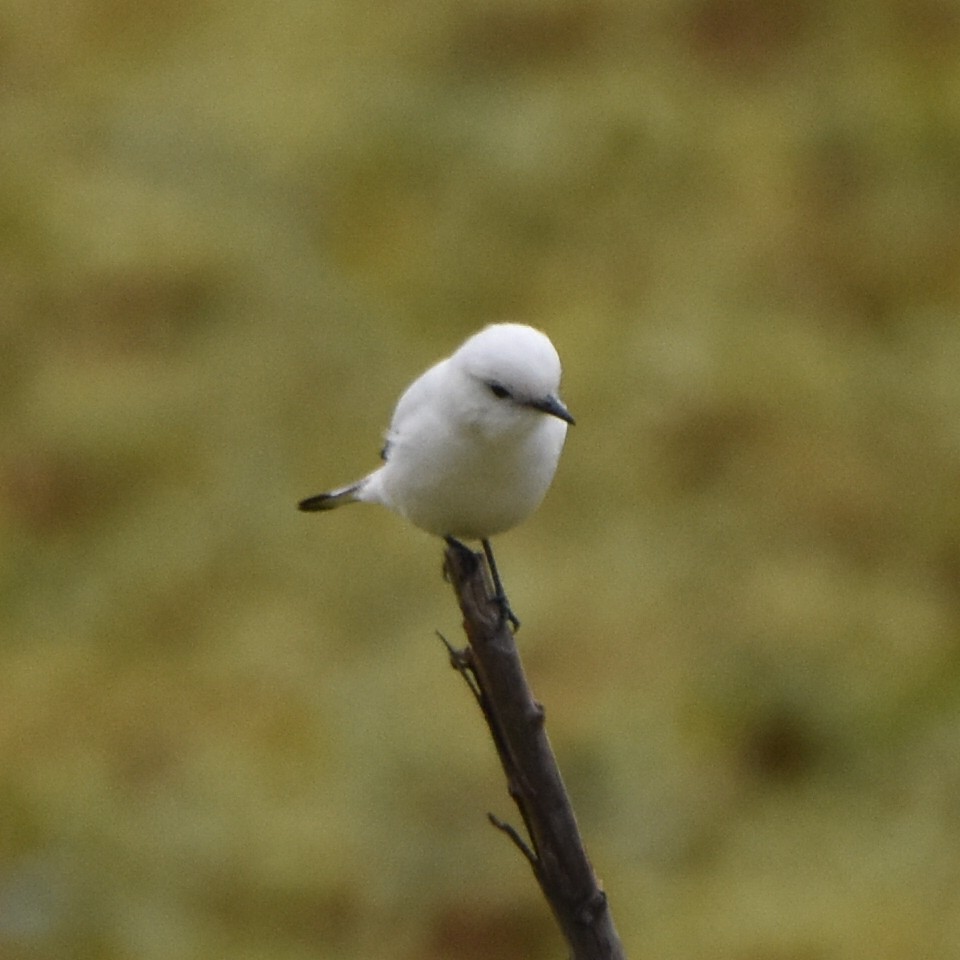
<point x="554" y="406"/>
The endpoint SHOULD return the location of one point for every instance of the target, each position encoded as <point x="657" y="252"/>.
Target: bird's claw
<point x="506" y="613"/>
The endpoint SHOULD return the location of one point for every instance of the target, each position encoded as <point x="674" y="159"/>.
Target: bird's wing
<point x="418" y="396"/>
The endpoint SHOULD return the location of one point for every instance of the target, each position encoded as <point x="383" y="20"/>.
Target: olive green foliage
<point x="230" y="234"/>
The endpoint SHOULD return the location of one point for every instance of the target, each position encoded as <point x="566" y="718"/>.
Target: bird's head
<point x="515" y="368"/>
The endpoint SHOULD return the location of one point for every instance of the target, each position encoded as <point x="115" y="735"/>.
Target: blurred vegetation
<point x="230" y="233"/>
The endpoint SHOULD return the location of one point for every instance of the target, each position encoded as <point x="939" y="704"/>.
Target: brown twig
<point x="491" y="666"/>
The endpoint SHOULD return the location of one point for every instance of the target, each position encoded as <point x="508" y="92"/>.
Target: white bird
<point x="474" y="442"/>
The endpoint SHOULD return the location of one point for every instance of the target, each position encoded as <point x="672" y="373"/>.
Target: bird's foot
<point x="499" y="594"/>
<point x="505" y="612"/>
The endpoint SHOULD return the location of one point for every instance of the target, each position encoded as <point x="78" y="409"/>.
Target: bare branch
<point x="516" y="721"/>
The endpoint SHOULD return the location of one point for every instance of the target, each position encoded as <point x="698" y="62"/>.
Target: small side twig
<point x="460" y="661"/>
<point x="518" y="841"/>
<point x="492" y="668"/>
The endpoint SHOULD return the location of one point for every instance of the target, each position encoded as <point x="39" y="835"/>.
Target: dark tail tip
<point x="319" y="502"/>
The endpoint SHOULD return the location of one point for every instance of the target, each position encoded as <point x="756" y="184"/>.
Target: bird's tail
<point x="334" y="498"/>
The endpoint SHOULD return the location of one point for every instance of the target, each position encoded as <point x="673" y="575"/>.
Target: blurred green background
<point x="231" y="233"/>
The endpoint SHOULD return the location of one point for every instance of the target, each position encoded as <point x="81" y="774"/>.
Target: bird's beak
<point x="554" y="406"/>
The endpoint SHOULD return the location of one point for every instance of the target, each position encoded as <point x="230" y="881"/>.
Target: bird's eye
<point x="499" y="391"/>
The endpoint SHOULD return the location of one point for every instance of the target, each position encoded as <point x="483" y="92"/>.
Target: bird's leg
<point x="500" y="594"/>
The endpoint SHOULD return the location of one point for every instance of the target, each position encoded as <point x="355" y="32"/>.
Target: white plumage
<point x="474" y="442"/>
